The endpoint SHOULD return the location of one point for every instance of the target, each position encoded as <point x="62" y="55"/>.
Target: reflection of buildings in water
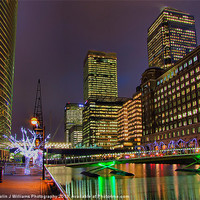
<point x="100" y="188"/>
<point x="151" y="181"/>
<point x="175" y="177"/>
<point x="62" y="174"/>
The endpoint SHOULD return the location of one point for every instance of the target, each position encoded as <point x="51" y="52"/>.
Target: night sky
<point x="53" y="38"/>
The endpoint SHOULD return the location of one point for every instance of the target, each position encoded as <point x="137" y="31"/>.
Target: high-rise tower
<point x="171" y="36"/>
<point x="73" y="117"/>
<point x="101" y="99"/>
<point x="100" y="75"/>
<point x="8" y="20"/>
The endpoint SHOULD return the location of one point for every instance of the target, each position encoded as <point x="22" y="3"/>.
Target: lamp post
<point x="41" y="136"/>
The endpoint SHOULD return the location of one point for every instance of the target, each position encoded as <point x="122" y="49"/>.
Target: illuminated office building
<point x="171" y="101"/>
<point x="73" y="117"/>
<point x="8" y="20"/>
<point x="100" y="75"/>
<point x="171" y="36"/>
<point x="100" y="122"/>
<point x="76" y="135"/>
<point x="130" y="123"/>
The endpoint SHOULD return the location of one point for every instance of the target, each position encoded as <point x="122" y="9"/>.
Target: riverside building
<point x="8" y="20"/>
<point x="130" y="123"/>
<point x="100" y="125"/>
<point x="171" y="101"/>
<point x="171" y="36"/>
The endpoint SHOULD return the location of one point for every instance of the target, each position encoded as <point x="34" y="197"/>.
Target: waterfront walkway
<point x="24" y="187"/>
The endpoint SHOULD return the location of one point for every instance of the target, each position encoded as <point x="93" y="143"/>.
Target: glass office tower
<point x="8" y="20"/>
<point x="100" y="122"/>
<point x="100" y="75"/>
<point x="73" y="117"/>
<point x="171" y="36"/>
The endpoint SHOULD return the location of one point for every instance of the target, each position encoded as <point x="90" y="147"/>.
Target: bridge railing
<point x="122" y="156"/>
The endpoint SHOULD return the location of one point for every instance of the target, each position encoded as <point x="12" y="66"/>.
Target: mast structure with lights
<point x="38" y="125"/>
<point x="38" y="106"/>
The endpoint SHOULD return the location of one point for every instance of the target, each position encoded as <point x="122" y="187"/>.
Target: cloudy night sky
<point x="53" y="38"/>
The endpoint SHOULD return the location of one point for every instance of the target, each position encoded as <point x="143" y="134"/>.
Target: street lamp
<point x="41" y="138"/>
<point x="34" y="121"/>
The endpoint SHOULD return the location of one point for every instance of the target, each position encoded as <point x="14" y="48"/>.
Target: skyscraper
<point x="171" y="36"/>
<point x="8" y="20"/>
<point x="100" y="121"/>
<point x="101" y="99"/>
<point x="73" y="117"/>
<point x="100" y="75"/>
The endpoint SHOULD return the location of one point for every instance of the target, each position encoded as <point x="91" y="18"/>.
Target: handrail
<point x="65" y="196"/>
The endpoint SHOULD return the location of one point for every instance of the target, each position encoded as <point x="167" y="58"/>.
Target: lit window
<point x="195" y="58"/>
<point x="182" y="78"/>
<point x="194" y="103"/>
<point x="188" y="105"/>
<point x="180" y="68"/>
<point x="191" y="72"/>
<point x="190" y="62"/>
<point x="197" y="69"/>
<point x="190" y="121"/>
<point x="193" y="87"/>
<point x="185" y="65"/>
<point x="192" y="80"/>
<point x="195" y="111"/>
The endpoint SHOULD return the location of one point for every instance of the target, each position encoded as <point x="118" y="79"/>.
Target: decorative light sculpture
<point x="27" y="148"/>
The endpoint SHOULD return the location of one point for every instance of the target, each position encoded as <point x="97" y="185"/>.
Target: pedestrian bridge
<point x="184" y="155"/>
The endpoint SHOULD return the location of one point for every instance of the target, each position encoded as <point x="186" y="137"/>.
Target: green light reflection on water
<point x="113" y="186"/>
<point x="100" y="184"/>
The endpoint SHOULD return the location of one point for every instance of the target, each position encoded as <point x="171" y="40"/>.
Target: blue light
<point x="80" y="105"/>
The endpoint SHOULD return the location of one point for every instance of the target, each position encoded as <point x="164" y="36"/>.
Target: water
<point x="151" y="182"/>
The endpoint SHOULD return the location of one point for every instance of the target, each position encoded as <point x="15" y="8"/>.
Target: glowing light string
<point x="27" y="147"/>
